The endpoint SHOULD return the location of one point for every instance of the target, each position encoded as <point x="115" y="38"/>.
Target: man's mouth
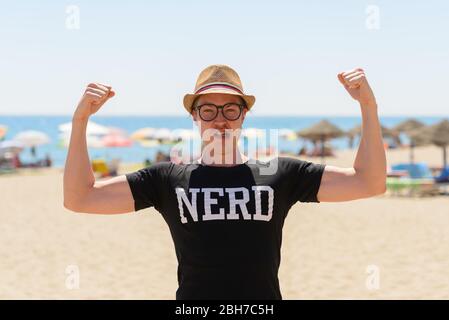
<point x="223" y="133"/>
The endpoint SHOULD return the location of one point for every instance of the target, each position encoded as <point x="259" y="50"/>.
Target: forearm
<point x="370" y="162"/>
<point x="78" y="175"/>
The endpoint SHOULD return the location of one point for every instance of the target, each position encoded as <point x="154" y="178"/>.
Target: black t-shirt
<point x="226" y="222"/>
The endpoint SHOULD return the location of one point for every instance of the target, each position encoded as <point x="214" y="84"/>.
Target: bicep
<point x="108" y="196"/>
<point x="341" y="184"/>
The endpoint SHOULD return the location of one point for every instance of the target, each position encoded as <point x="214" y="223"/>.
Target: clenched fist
<point x="94" y="97"/>
<point x="357" y="86"/>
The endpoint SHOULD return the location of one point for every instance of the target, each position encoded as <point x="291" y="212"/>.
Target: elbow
<point x="74" y="200"/>
<point x="72" y="205"/>
<point x="69" y="206"/>
<point x="380" y="190"/>
<point x="377" y="187"/>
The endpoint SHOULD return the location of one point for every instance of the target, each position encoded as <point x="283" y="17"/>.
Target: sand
<point x="379" y="248"/>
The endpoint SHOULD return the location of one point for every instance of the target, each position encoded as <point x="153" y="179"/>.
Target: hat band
<point x="218" y="85"/>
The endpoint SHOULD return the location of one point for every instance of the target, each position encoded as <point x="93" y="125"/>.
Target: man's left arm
<point x="367" y="177"/>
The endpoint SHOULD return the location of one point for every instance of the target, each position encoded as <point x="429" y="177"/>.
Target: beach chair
<point x="418" y="182"/>
<point x="100" y="167"/>
<point x="415" y="170"/>
<point x="412" y="187"/>
<point x="7" y="164"/>
<point x="443" y="176"/>
<point x="442" y="180"/>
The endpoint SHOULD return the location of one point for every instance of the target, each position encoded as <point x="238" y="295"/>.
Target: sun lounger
<point x="415" y="170"/>
<point x="412" y="187"/>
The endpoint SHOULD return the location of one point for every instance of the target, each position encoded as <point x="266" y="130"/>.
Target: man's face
<point x="220" y="124"/>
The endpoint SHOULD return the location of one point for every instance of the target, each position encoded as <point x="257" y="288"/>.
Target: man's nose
<point x="220" y="118"/>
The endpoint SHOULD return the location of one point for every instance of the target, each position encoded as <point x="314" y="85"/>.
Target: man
<point x="225" y="212"/>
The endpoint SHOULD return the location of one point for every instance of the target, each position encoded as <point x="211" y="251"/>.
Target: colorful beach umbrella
<point x="3" y="130"/>
<point x="163" y="135"/>
<point x="287" y="134"/>
<point x="149" y="143"/>
<point x="91" y="129"/>
<point x="32" y="138"/>
<point x="116" y="140"/>
<point x="143" y="134"/>
<point x="184" y="134"/>
<point x="11" y="146"/>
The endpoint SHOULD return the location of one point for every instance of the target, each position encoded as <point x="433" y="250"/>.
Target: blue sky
<point x="287" y="53"/>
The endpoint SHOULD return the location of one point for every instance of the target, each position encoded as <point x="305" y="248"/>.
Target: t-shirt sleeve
<point x="148" y="184"/>
<point x="303" y="179"/>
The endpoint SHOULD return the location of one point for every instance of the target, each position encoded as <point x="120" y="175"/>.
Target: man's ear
<point x="244" y="113"/>
<point x="194" y="117"/>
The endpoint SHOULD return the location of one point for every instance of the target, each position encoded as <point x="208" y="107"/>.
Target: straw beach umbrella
<point x="437" y="134"/>
<point x="386" y="133"/>
<point x="440" y="137"/>
<point x="321" y="131"/>
<point x="421" y="136"/>
<point x="408" y="127"/>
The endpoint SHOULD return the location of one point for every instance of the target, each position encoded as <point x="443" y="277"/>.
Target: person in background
<point x="47" y="161"/>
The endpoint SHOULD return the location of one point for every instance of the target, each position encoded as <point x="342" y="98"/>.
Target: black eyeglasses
<point x="209" y="111"/>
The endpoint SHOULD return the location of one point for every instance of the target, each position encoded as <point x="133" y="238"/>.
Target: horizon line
<point x="259" y="115"/>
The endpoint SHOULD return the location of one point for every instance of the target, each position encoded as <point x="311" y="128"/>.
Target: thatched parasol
<point x="321" y="131"/>
<point x="437" y="134"/>
<point x="408" y="127"/>
<point x="386" y="132"/>
<point x="440" y="137"/>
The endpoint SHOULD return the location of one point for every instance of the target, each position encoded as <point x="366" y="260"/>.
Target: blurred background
<point x="288" y="55"/>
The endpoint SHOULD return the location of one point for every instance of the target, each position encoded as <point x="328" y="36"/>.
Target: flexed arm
<point x="81" y="192"/>
<point x="367" y="177"/>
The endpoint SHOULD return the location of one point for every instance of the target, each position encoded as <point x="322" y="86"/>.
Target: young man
<point x="225" y="212"/>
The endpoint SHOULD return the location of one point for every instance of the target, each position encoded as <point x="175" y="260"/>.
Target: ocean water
<point x="137" y="153"/>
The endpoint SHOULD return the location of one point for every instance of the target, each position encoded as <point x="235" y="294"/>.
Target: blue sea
<point x="137" y="153"/>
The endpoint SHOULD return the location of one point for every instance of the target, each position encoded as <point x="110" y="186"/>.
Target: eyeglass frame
<point x="241" y="107"/>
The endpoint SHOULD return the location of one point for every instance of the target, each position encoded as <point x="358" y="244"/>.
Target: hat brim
<point x="189" y="98"/>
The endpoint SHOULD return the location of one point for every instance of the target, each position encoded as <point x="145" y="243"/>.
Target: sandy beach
<point x="330" y="250"/>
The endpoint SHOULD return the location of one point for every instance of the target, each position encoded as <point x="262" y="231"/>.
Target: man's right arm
<point x="81" y="192"/>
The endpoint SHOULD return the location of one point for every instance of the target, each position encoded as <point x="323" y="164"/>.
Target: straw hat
<point x="218" y="78"/>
